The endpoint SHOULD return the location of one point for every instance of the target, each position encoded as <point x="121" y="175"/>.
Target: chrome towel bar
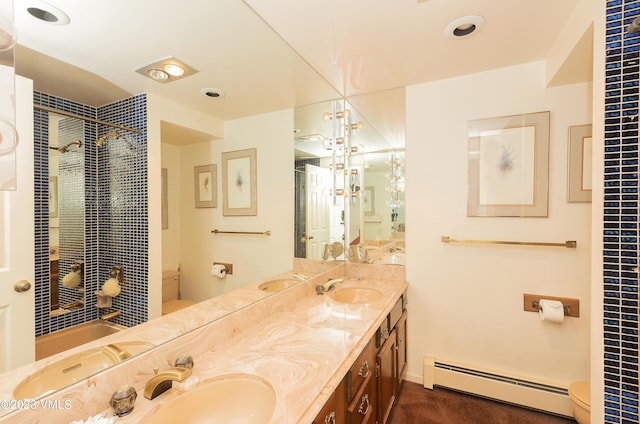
<point x="261" y="233"/>
<point x="568" y="244"/>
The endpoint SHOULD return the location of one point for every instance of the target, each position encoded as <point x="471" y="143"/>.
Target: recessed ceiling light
<point x="47" y="13"/>
<point x="158" y="74"/>
<point x="464" y="26"/>
<point x="212" y="92"/>
<point x="173" y="69"/>
<point x="166" y="70"/>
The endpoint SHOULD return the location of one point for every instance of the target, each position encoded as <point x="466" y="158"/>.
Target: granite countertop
<point x="301" y="343"/>
<point x="303" y="351"/>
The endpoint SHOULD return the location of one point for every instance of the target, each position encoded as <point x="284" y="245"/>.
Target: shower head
<point x="101" y="140"/>
<point x="65" y="148"/>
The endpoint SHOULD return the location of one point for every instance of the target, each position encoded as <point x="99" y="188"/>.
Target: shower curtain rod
<point x="97" y="121"/>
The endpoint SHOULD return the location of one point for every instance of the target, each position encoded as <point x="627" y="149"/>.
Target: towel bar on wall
<point x="568" y="244"/>
<point x="261" y="233"/>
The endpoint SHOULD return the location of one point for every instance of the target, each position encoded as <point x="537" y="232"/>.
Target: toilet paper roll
<point x="551" y="310"/>
<point x="218" y="271"/>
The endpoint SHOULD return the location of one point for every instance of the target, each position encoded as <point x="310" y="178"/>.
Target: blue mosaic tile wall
<point x="71" y="204"/>
<point x="115" y="234"/>
<point x="620" y="253"/>
<point x="123" y="207"/>
<point x="44" y="322"/>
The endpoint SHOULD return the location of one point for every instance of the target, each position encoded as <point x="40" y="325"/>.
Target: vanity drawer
<point x="362" y="368"/>
<point x="362" y="408"/>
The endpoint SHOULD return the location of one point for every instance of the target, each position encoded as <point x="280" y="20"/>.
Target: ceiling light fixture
<point x="213" y="92"/>
<point x="464" y="26"/>
<point x="166" y="70"/>
<point x="173" y="69"/>
<point x="158" y="74"/>
<point x="47" y="13"/>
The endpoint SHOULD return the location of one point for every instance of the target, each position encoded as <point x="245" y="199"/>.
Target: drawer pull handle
<point x="362" y="409"/>
<point x="331" y="418"/>
<point x="362" y="373"/>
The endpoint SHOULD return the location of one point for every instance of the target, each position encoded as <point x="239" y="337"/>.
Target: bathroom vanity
<point x="367" y="392"/>
<point x="298" y="349"/>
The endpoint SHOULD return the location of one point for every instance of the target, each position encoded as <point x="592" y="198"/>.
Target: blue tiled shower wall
<point x="620" y="232"/>
<point x="116" y="211"/>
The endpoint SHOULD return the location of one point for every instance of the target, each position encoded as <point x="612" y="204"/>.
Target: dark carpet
<point x="417" y="405"/>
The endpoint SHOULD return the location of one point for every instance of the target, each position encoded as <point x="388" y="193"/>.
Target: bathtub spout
<point x="110" y="315"/>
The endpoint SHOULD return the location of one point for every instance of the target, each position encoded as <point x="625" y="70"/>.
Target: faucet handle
<point x="122" y="400"/>
<point x="184" y="361"/>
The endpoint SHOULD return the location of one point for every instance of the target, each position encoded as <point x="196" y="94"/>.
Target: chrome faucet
<point x="329" y="285"/>
<point x="161" y="382"/>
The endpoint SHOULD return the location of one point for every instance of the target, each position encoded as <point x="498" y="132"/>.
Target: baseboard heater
<point x="493" y="385"/>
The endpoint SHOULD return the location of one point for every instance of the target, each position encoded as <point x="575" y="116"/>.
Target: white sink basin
<point x="67" y="371"/>
<point x="356" y="295"/>
<point x="233" y="398"/>
<point x="277" y="285"/>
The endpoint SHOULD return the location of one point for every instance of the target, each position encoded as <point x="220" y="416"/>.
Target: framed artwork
<point x="370" y="200"/>
<point x="239" y="183"/>
<point x="53" y="197"/>
<point x="509" y="166"/>
<point x="580" y="170"/>
<point x="205" y="181"/>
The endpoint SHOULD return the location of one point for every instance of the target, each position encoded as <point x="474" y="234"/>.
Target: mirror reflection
<point x="367" y="210"/>
<point x="66" y="213"/>
<point x="99" y="220"/>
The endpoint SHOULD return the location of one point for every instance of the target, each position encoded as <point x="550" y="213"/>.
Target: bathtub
<point x="61" y="340"/>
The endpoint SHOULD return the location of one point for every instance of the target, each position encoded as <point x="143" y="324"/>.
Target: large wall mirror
<point x="277" y="157"/>
<point x="66" y="213"/>
<point x="368" y="206"/>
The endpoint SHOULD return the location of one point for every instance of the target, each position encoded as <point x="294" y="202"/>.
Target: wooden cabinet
<point x="362" y="409"/>
<point x="361" y="387"/>
<point x="401" y="348"/>
<point x="333" y="412"/>
<point x="386" y="376"/>
<point x="369" y="389"/>
<point x="391" y="361"/>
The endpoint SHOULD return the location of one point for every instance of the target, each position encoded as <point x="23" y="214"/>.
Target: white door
<point x="17" y="320"/>
<point x="317" y="183"/>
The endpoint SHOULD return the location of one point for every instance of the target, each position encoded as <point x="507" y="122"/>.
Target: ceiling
<point x="270" y="55"/>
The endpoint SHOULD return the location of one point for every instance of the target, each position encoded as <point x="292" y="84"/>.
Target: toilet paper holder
<point x="571" y="306"/>
<point x="567" y="309"/>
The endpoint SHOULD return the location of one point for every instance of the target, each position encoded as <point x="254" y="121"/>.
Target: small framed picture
<point x="239" y="183"/>
<point x="580" y="154"/>
<point x="205" y="180"/>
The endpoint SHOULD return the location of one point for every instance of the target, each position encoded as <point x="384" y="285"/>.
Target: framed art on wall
<point x="205" y="182"/>
<point x="239" y="183"/>
<point x="580" y="154"/>
<point x="509" y="166"/>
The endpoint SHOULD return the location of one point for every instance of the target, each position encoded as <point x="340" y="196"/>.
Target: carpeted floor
<point x="417" y="405"/>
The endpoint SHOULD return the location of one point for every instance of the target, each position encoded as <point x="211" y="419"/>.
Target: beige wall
<point x="188" y="242"/>
<point x="466" y="301"/>
<point x="159" y="110"/>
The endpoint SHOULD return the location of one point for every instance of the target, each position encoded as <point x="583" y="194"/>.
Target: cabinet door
<point x="401" y="334"/>
<point x="334" y="411"/>
<point x="386" y="361"/>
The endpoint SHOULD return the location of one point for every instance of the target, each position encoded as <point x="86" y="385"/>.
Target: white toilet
<point x="579" y="393"/>
<point x="171" y="301"/>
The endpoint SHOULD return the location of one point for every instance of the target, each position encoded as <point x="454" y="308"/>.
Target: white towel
<point x="96" y="419"/>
